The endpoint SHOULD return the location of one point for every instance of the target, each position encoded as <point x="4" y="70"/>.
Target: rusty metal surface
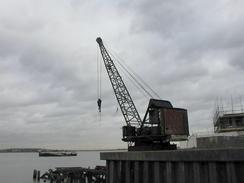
<point x="175" y="121"/>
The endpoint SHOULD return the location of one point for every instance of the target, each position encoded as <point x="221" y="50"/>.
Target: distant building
<point x="228" y="129"/>
<point x="228" y="120"/>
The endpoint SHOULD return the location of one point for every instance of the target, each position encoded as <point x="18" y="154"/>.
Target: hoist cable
<point x="98" y="95"/>
<point x="134" y="84"/>
<point x="148" y="93"/>
<point x="138" y="77"/>
<point x="99" y="84"/>
<point x="100" y="76"/>
<point x="155" y="93"/>
<point x="135" y="76"/>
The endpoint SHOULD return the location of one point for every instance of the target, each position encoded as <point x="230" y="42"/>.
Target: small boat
<point x="47" y="154"/>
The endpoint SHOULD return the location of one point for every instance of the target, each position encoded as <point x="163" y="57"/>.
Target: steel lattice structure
<point x="124" y="99"/>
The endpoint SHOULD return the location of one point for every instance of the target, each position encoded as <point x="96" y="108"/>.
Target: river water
<point x="18" y="167"/>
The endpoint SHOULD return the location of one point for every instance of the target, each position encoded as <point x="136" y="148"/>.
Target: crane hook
<point x="99" y="103"/>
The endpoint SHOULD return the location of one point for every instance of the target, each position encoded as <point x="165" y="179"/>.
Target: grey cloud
<point x="193" y="27"/>
<point x="237" y="58"/>
<point x="196" y="51"/>
<point x="190" y="53"/>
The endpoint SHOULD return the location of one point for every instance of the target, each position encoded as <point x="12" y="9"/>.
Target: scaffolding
<point x="228" y="118"/>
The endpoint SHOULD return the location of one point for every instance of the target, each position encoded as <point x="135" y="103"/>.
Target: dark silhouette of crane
<point x="161" y="123"/>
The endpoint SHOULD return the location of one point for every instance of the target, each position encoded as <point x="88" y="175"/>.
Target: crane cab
<point x="164" y="119"/>
<point x="162" y="123"/>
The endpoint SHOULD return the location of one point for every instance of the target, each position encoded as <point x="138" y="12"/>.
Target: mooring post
<point x="69" y="180"/>
<point x="82" y="178"/>
<point x="34" y="174"/>
<point x="65" y="179"/>
<point x="89" y="178"/>
<point x="75" y="180"/>
<point x="38" y="175"/>
<point x="58" y="179"/>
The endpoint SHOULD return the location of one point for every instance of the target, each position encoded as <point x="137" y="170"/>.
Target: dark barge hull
<point x="56" y="154"/>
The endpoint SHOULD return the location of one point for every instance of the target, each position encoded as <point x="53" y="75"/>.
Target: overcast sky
<point x="191" y="52"/>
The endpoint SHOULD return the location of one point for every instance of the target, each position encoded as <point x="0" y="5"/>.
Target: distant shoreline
<point x="32" y="150"/>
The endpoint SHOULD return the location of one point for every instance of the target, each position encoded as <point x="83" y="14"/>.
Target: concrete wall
<point x="220" y="141"/>
<point x="213" y="140"/>
<point x="177" y="166"/>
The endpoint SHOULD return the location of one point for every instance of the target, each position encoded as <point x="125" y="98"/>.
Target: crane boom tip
<point x="99" y="40"/>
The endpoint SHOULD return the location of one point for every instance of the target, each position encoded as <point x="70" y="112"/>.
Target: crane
<point x="161" y="124"/>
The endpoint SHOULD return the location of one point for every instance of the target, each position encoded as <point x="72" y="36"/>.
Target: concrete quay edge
<point x="223" y="154"/>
